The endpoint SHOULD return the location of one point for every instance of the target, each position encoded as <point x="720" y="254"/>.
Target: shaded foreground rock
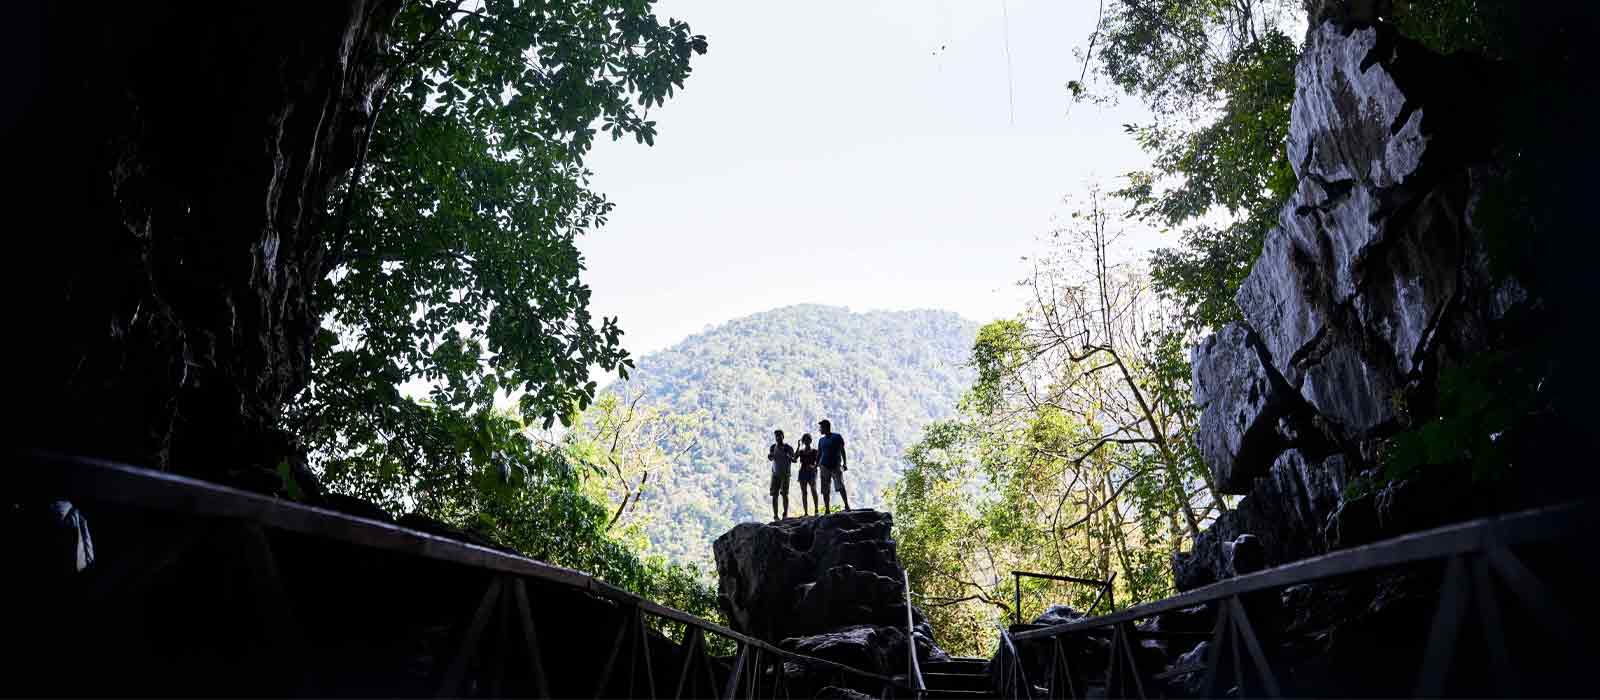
<point x="178" y="160"/>
<point x="829" y="587"/>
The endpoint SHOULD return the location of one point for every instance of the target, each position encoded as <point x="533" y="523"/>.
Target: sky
<point x="858" y="153"/>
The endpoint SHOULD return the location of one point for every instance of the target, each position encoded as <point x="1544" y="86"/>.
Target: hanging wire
<point x="1011" y="99"/>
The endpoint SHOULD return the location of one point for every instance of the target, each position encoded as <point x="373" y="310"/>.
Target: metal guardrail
<point x="506" y="598"/>
<point x="1481" y="547"/>
<point x="913" y="667"/>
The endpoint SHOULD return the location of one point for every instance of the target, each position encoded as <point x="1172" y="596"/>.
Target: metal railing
<point x="240" y="520"/>
<point x="1105" y="590"/>
<point x="913" y="668"/>
<point x="1478" y="555"/>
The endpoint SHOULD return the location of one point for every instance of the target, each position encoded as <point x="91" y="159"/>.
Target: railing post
<point x="1446" y="626"/>
<point x="1243" y="630"/>
<point x="530" y="637"/>
<point x="451" y="682"/>
<point x="611" y="659"/>
<point x="1016" y="610"/>
<point x="1493" y="629"/>
<point x="913" y="667"/>
<point x="738" y="669"/>
<point x="644" y="650"/>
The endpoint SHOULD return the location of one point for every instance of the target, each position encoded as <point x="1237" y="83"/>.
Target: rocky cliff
<point x="1375" y="280"/>
<point x="172" y="165"/>
<point x="829" y="587"/>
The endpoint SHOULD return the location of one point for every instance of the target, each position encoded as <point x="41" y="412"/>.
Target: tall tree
<point x="1218" y="77"/>
<point x="1073" y="454"/>
<point x="455" y="268"/>
<point x="630" y="447"/>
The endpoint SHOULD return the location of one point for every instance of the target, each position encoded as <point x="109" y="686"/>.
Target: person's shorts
<point x="834" y="475"/>
<point x="780" y="483"/>
<point x="808" y="475"/>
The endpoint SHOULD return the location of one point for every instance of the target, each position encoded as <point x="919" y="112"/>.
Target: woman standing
<point x="808" y="474"/>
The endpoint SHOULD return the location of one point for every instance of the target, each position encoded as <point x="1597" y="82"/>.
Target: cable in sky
<point x="1011" y="98"/>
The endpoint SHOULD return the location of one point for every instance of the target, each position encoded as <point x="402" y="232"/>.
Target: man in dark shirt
<point x="834" y="461"/>
<point x="781" y="455"/>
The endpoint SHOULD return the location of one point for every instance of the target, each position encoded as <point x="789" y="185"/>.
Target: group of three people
<point x="827" y="460"/>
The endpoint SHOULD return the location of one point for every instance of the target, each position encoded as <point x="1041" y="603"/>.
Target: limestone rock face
<point x="828" y="586"/>
<point x="1374" y="280"/>
<point x="1241" y="403"/>
<point x="180" y="159"/>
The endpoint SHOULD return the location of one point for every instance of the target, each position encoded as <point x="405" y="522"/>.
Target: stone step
<point x="956" y="665"/>
<point x="957" y="681"/>
<point x="942" y="693"/>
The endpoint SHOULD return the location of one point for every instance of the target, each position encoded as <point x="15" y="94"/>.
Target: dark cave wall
<point x="176" y="161"/>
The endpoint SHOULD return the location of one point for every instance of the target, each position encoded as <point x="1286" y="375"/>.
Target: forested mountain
<point x="879" y="376"/>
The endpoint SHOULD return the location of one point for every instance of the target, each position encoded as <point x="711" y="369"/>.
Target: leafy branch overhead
<point x="456" y="272"/>
<point x="457" y="328"/>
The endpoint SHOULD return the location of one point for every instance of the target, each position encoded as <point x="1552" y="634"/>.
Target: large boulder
<point x="803" y="576"/>
<point x="1289" y="512"/>
<point x="877" y="648"/>
<point x="1241" y="401"/>
<point x="828" y="586"/>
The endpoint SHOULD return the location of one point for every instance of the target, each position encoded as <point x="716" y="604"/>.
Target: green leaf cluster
<point x="455" y="313"/>
<point x="454" y="271"/>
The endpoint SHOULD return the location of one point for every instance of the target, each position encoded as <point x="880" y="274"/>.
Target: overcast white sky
<point x="851" y="152"/>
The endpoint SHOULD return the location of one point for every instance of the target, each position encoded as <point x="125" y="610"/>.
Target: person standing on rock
<point x="807" y="455"/>
<point x="781" y="455"/>
<point x="834" y="462"/>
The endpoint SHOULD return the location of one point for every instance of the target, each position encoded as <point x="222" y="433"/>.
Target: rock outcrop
<point x="172" y="165"/>
<point x="829" y="587"/>
<point x="1375" y="278"/>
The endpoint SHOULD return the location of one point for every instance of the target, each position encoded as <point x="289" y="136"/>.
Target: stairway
<point x="960" y="677"/>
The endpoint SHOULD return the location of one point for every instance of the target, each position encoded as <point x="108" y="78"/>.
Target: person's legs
<point x="844" y="498"/>
<point x="805" y="507"/>
<point x="827" y="479"/>
<point x="816" y="500"/>
<point x="774" y="492"/>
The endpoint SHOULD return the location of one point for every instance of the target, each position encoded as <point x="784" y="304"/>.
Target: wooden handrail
<point x="56" y="476"/>
<point x="1471" y="536"/>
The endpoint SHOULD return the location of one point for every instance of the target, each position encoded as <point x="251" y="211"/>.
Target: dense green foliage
<point x="456" y="266"/>
<point x="878" y="376"/>
<point x="455" y="273"/>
